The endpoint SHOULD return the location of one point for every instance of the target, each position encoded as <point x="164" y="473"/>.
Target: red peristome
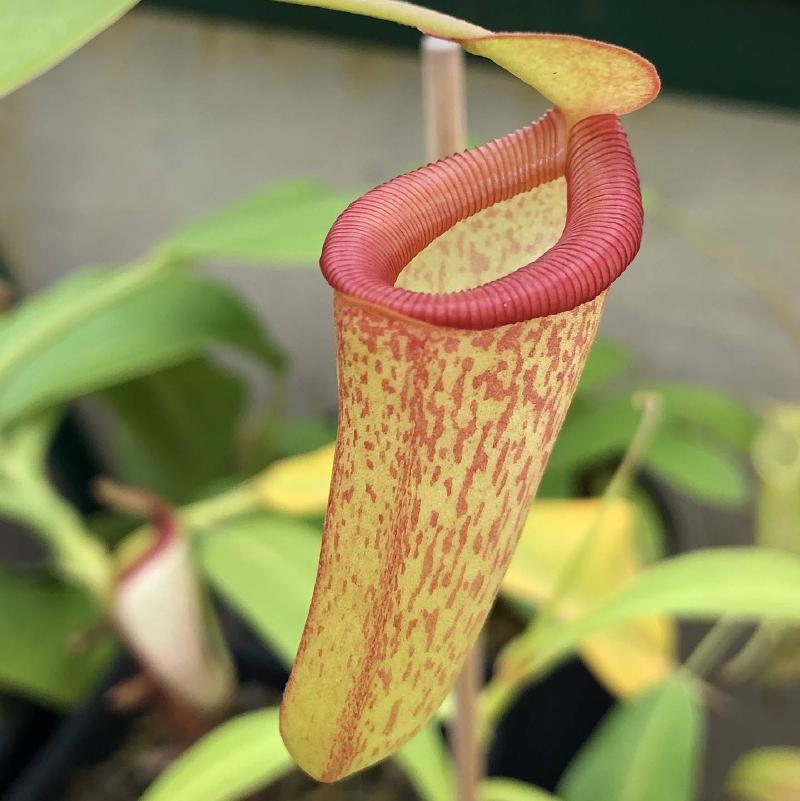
<point x="165" y="526"/>
<point x="379" y="234"/>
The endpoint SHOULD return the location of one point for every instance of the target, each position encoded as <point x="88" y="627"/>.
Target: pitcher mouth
<point x="374" y="239"/>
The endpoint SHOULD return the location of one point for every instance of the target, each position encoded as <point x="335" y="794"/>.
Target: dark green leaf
<point x="592" y="434"/>
<point x="645" y="750"/>
<point x="607" y="360"/>
<point x="38" y="618"/>
<point x="710" y="410"/>
<point x="175" y="427"/>
<point x="37" y="34"/>
<point x="174" y="318"/>
<point x="697" y="468"/>
<point x="303" y="434"/>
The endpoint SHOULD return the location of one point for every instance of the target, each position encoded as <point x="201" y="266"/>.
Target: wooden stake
<point x="446" y="132"/>
<point x="444" y="97"/>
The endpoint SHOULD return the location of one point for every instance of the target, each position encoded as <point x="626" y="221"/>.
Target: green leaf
<point x="766" y="774"/>
<point x="175" y="427"/>
<point x="38" y="617"/>
<point x="645" y="750"/>
<point x="689" y="462"/>
<point x="511" y="790"/>
<point x="233" y="761"/>
<point x="282" y="224"/>
<point x="37" y="34"/>
<point x="175" y="317"/>
<point x="592" y="434"/>
<point x="304" y="434"/>
<point x="265" y="566"/>
<point x="697" y="468"/>
<point x="426" y="762"/>
<point x="607" y="360"/>
<point x="740" y="583"/>
<point x="718" y="414"/>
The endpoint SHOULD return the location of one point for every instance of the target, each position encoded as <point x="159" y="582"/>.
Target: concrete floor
<point x="164" y="117"/>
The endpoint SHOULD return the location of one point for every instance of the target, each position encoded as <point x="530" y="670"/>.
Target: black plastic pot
<point x="549" y="722"/>
<point x="95" y="730"/>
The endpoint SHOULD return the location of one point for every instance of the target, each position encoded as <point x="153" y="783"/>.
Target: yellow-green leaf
<point x="425" y="760"/>
<point x="581" y="76"/>
<point x="628" y="658"/>
<point x="741" y="583"/>
<point x="233" y="761"/>
<point x="37" y="34"/>
<point x="766" y="774"/>
<point x="39" y="617"/>
<point x="298" y="485"/>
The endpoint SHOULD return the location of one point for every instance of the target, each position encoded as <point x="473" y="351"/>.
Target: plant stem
<point x="755" y="653"/>
<point x="79" y="556"/>
<point x="467" y="747"/>
<point x="714" y="645"/>
<point x="237" y="501"/>
<point x="444" y="101"/>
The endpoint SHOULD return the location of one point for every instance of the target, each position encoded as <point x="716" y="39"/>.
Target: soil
<point x="151" y="746"/>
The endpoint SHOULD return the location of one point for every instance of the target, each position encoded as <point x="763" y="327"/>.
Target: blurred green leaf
<point x="233" y="761"/>
<point x="173" y="318"/>
<point x="298" y="435"/>
<point x="282" y="224"/>
<point x="265" y="566"/>
<point x="38" y="617"/>
<point x="426" y="762"/>
<point x="511" y="790"/>
<point x="740" y="583"/>
<point x="37" y="34"/>
<point x="690" y="462"/>
<point x="607" y="360"/>
<point x="697" y="468"/>
<point x="645" y="750"/>
<point x="558" y="484"/>
<point x="175" y="427"/>
<point x="715" y="412"/>
<point x="592" y="434"/>
<point x="766" y="774"/>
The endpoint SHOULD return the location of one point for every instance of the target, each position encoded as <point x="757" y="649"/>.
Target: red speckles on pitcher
<point x="468" y="295"/>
